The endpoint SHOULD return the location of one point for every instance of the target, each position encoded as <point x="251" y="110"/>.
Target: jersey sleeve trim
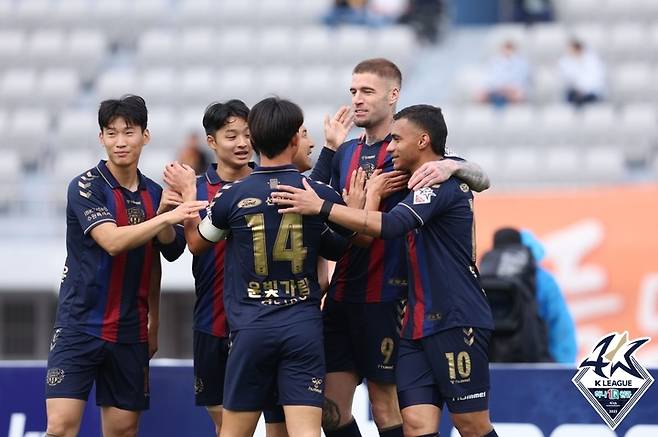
<point x="420" y="220"/>
<point x="93" y="225"/>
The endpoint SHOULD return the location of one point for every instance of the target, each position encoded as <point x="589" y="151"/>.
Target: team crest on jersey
<point x="423" y="196"/>
<point x="464" y="187"/>
<point x="611" y="379"/>
<point x="249" y="202"/>
<point x="369" y="168"/>
<point x="274" y="184"/>
<point x="135" y="215"/>
<point x="316" y="385"/>
<point x="54" y="376"/>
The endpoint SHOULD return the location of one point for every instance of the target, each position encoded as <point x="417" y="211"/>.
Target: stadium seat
<point x="556" y="124"/>
<point x="310" y="12"/>
<point x="152" y="162"/>
<point x="45" y="47"/>
<point x="397" y="43"/>
<point x="468" y="82"/>
<point x="593" y="35"/>
<point x="562" y="163"/>
<point x="17" y="87"/>
<point x="196" y="47"/>
<point x="352" y="44"/>
<point x="548" y="87"/>
<point x="236" y="82"/>
<point x="114" y="20"/>
<point x="605" y="164"/>
<point x="581" y="11"/>
<point x="12" y="48"/>
<point x="150" y="13"/>
<point x="57" y="88"/>
<point x="155" y="48"/>
<point x="158" y="86"/>
<point x="486" y="157"/>
<point x="483" y="126"/>
<point x="4" y="122"/>
<point x="633" y="82"/>
<point x="229" y="13"/>
<point x="627" y="42"/>
<point x="546" y="43"/>
<point x="278" y="81"/>
<point x="197" y="85"/>
<point x="85" y="51"/>
<point x="6" y="12"/>
<point x="69" y="14"/>
<point x="314" y="42"/>
<point x="10" y="176"/>
<point x="114" y="83"/>
<point x="163" y="124"/>
<point x="275" y="45"/>
<point x="31" y="14"/>
<point x="68" y="165"/>
<point x="27" y="133"/>
<point x="518" y="126"/>
<point x="520" y="164"/>
<point x="598" y="125"/>
<point x="313" y="120"/>
<point x="652" y="44"/>
<point x="638" y="129"/>
<point x="317" y="85"/>
<point x="76" y="129"/>
<point x="196" y="13"/>
<point x="282" y="12"/>
<point x="237" y="45"/>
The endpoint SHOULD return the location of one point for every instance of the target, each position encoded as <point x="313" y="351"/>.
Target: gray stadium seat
<point x="468" y="82"/>
<point x="152" y="162"/>
<point x="85" y="51"/>
<point x="352" y="44"/>
<point x="314" y="42"/>
<point x="281" y="12"/>
<point x="196" y="85"/>
<point x="197" y="47"/>
<point x="548" y="87"/>
<point x="114" y="19"/>
<point x="163" y="124"/>
<point x="310" y="12"/>
<point x="505" y="32"/>
<point x="156" y="48"/>
<point x="483" y="126"/>
<point x="518" y="126"/>
<point x="319" y="85"/>
<point x="604" y="163"/>
<point x="593" y="35"/>
<point x="17" y="87"/>
<point x="397" y="43"/>
<point x="236" y="82"/>
<point x="562" y="163"/>
<point x="30" y="14"/>
<point x="276" y="45"/>
<point x="279" y="81"/>
<point x="76" y="129"/>
<point x="10" y="176"/>
<point x="114" y="83"/>
<point x="627" y="42"/>
<point x="546" y="43"/>
<point x="57" y="88"/>
<point x="45" y="47"/>
<point x="150" y="13"/>
<point x="598" y="125"/>
<point x="520" y="164"/>
<point x="158" y="86"/>
<point x="12" y="48"/>
<point x="634" y="82"/>
<point x="237" y="44"/>
<point x="556" y="124"/>
<point x="638" y="130"/>
<point x="572" y="11"/>
<point x="27" y="132"/>
<point x="229" y="13"/>
<point x="196" y="13"/>
<point x="69" y="14"/>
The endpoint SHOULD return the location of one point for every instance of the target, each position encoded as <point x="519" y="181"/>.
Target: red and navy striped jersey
<point x="444" y="288"/>
<point x="377" y="273"/>
<point x="208" y="268"/>
<point x="101" y="295"/>
<point x="270" y="271"/>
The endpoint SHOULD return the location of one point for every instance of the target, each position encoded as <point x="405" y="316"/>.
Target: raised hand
<point x="355" y="196"/>
<point x="180" y="178"/>
<point x="337" y="127"/>
<point x="432" y="173"/>
<point x="169" y="200"/>
<point x="297" y="200"/>
<point x="186" y="210"/>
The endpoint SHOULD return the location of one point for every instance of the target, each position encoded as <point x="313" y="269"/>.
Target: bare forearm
<point x="118" y="239"/>
<point x="473" y="175"/>
<point x="167" y="235"/>
<point x="358" y="220"/>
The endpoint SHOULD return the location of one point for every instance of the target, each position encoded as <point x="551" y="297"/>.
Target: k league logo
<point x="611" y="379"/>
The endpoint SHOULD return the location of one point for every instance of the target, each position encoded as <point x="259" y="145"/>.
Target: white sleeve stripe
<point x="210" y="232"/>
<point x="420" y="220"/>
<point x="93" y="225"/>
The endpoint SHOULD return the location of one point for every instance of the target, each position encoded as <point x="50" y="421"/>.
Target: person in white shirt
<point x="583" y="73"/>
<point x="508" y="77"/>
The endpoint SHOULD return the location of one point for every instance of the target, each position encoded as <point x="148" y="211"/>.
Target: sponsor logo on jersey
<point x="423" y="196"/>
<point x="249" y="202"/>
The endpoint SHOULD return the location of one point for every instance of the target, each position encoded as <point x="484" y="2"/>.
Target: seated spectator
<point x="507" y="79"/>
<point x="583" y="73"/>
<point x="192" y="154"/>
<point x="365" y="12"/>
<point x="425" y="17"/>
<point x="533" y="11"/>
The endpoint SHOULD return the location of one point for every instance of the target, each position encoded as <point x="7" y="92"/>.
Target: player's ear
<point x="211" y="142"/>
<point x="147" y="136"/>
<point x="394" y="95"/>
<point x="423" y="141"/>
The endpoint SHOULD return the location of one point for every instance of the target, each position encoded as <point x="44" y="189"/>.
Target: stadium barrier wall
<point x="526" y="401"/>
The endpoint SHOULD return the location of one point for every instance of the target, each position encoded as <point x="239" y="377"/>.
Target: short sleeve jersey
<point x="101" y="295"/>
<point x="208" y="268"/>
<point x="270" y="276"/>
<point x="444" y="289"/>
<point x="377" y="273"/>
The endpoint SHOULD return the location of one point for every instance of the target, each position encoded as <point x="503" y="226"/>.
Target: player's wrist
<point x="325" y="209"/>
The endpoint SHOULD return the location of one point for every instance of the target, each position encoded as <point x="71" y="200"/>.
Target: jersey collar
<point x="278" y="168"/>
<point x="213" y="177"/>
<point x="111" y="181"/>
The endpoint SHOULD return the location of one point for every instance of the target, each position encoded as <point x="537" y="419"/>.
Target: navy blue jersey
<point x="444" y="289"/>
<point x="377" y="273"/>
<point x="101" y="295"/>
<point x="270" y="276"/>
<point x="208" y="268"/>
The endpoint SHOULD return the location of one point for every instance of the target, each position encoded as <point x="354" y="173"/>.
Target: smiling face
<point x="231" y="143"/>
<point x="406" y="144"/>
<point x="373" y="99"/>
<point x="123" y="142"/>
<point x="302" y="159"/>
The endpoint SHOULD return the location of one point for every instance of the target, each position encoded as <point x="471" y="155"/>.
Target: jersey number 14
<point x="288" y="246"/>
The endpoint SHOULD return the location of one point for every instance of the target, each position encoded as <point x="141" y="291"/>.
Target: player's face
<point x="373" y="99"/>
<point x="302" y="159"/>
<point x="404" y="146"/>
<point x="231" y="143"/>
<point x="123" y="142"/>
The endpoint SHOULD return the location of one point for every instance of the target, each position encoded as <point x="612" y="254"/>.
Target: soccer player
<point x="444" y="352"/>
<point x="366" y="297"/>
<point x="107" y="317"/>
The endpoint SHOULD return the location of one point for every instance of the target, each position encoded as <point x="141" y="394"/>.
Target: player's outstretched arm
<point x="154" y="304"/>
<point x="306" y="202"/>
<point x="436" y="172"/>
<point x="117" y="239"/>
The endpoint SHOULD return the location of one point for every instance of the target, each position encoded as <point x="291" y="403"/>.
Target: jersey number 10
<point x="290" y="230"/>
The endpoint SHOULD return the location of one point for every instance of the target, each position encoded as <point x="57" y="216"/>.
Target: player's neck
<point x="283" y="158"/>
<point x="377" y="133"/>
<point x="231" y="174"/>
<point x="125" y="176"/>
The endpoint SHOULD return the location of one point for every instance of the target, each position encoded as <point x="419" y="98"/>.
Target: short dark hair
<point x="273" y="122"/>
<point x="381" y="67"/>
<point x="129" y="107"/>
<point x="430" y="119"/>
<point x="217" y="114"/>
<point x="505" y="237"/>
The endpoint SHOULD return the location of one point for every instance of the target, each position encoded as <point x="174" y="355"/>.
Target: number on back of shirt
<point x="288" y="246"/>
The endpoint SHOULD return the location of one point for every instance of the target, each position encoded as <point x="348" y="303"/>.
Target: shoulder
<point x="201" y="180"/>
<point x="320" y="187"/>
<point x="89" y="180"/>
<point x="347" y="146"/>
<point x="151" y="185"/>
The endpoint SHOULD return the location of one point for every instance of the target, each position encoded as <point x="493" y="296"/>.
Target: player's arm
<point x="154" y="304"/>
<point x="171" y="248"/>
<point x="436" y="172"/>
<point x="118" y="239"/>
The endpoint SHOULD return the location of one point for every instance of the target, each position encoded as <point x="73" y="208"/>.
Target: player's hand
<point x="153" y="341"/>
<point x="186" y="210"/>
<point x="303" y="201"/>
<point x="181" y="178"/>
<point x="170" y="200"/>
<point x="432" y="173"/>
<point x="355" y="196"/>
<point x="384" y="184"/>
<point x="337" y="127"/>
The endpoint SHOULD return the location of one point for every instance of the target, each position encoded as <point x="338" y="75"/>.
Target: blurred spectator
<point x="532" y="11"/>
<point x="552" y="307"/>
<point x="192" y="154"/>
<point x="425" y="17"/>
<point x="583" y="73"/>
<point x="365" y="12"/>
<point x="507" y="79"/>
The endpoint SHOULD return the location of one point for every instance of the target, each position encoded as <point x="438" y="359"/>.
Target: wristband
<point x="326" y="209"/>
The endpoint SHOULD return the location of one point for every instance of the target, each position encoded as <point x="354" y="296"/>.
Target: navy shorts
<point x="450" y="367"/>
<point x="210" y="355"/>
<point x="120" y="370"/>
<point x="288" y="360"/>
<point x="363" y="338"/>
